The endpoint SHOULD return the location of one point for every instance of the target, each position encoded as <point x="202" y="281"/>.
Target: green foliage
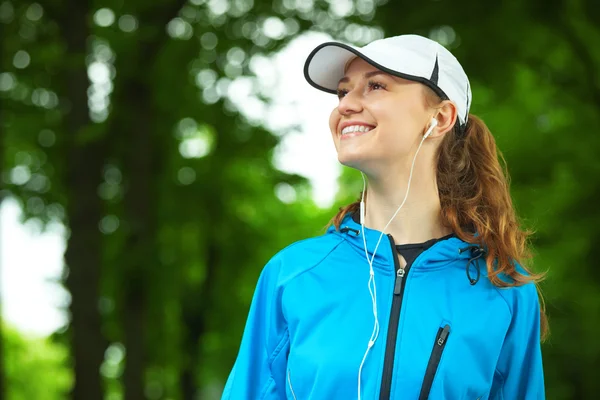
<point x="35" y="368"/>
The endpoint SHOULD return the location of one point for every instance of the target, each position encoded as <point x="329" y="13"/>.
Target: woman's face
<point x="392" y="111"/>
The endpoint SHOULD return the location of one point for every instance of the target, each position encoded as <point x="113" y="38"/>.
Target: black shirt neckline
<point x="410" y="251"/>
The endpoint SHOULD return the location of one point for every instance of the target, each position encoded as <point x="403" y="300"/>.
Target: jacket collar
<point x="439" y="255"/>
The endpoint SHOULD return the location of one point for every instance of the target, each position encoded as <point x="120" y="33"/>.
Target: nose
<point x="350" y="103"/>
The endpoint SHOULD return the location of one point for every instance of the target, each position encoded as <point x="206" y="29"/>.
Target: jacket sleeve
<point x="259" y="369"/>
<point x="519" y="373"/>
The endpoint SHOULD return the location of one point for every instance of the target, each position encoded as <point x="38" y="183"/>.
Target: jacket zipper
<point x="434" y="361"/>
<point x="392" y="334"/>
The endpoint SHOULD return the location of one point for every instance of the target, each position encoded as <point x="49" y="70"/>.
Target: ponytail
<point x="476" y="204"/>
<point x="349" y="209"/>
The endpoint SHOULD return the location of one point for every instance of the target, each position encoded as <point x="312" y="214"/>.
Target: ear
<point x="446" y="117"/>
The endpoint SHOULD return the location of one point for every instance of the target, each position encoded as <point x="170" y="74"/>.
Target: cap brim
<point x="324" y="67"/>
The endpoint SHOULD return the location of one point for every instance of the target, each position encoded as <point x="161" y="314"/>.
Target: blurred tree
<point x="120" y="125"/>
<point x="84" y="153"/>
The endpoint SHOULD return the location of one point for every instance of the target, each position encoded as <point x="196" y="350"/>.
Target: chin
<point x="351" y="160"/>
<point x="358" y="152"/>
<point x="371" y="165"/>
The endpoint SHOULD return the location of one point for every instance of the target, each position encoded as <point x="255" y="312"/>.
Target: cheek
<point x="396" y="119"/>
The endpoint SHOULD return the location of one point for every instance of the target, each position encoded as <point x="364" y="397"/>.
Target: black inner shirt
<point x="411" y="251"/>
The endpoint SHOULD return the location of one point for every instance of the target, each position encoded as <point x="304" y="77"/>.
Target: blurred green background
<point x="150" y="129"/>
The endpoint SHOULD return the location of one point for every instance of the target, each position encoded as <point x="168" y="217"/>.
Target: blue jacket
<point x="311" y="318"/>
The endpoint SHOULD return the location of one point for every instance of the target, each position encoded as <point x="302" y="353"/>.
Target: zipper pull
<point x="443" y="335"/>
<point x="399" y="278"/>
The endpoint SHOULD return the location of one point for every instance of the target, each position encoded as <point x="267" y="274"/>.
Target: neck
<point x="419" y="219"/>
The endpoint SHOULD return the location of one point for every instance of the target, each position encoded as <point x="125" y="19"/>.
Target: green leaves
<point x="35" y="368"/>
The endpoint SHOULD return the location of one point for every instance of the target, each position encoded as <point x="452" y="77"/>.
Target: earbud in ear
<point x="432" y="125"/>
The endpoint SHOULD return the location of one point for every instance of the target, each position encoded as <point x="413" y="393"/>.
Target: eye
<point x="375" y="85"/>
<point x="371" y="85"/>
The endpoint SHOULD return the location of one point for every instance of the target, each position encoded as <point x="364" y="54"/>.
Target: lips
<point x="350" y="129"/>
<point x="354" y="128"/>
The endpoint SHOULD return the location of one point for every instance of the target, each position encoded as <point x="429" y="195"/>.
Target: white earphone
<point x="432" y="125"/>
<point x="373" y="287"/>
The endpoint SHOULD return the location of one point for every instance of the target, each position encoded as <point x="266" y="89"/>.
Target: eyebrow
<point x="366" y="76"/>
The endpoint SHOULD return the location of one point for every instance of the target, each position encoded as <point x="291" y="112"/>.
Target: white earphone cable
<point x="373" y="289"/>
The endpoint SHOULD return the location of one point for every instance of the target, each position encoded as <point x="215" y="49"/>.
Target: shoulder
<point x="301" y="256"/>
<point x="521" y="297"/>
<point x="513" y="295"/>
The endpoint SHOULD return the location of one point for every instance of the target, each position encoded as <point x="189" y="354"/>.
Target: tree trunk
<point x="134" y="327"/>
<point x="194" y="327"/>
<point x="137" y="124"/>
<point x="140" y="214"/>
<point x="199" y="300"/>
<point x="83" y="255"/>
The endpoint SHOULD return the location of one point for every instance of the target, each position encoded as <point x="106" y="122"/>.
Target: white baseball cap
<point x="411" y="57"/>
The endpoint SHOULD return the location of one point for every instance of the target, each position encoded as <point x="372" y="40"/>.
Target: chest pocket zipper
<point x="434" y="360"/>
<point x="289" y="379"/>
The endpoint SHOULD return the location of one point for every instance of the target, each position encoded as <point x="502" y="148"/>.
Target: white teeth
<point x="355" y="128"/>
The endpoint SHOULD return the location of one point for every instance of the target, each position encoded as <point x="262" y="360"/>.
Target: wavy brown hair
<point x="476" y="204"/>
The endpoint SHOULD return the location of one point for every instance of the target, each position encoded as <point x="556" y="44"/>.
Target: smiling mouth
<point x="356" y="130"/>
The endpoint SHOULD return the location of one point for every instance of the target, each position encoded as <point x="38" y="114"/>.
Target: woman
<point x="417" y="290"/>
